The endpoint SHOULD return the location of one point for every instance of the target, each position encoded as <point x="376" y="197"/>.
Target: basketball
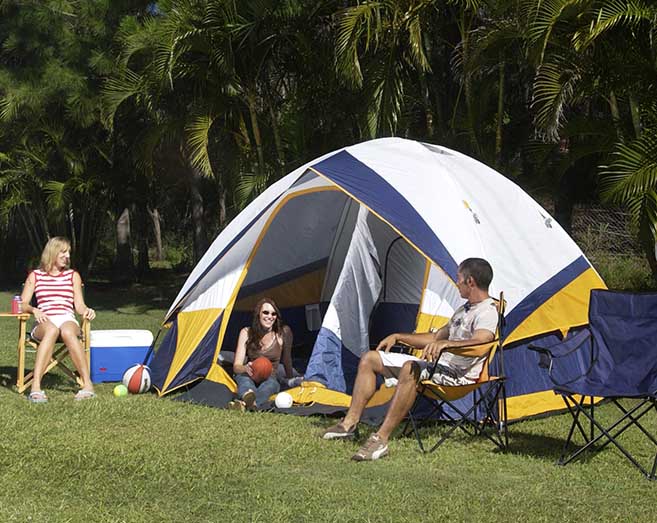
<point x="283" y="400"/>
<point x="262" y="369"/>
<point x="137" y="379"/>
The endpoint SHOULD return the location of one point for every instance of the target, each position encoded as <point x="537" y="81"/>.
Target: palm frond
<point x="10" y="108"/>
<point x="197" y="133"/>
<point x="613" y="13"/>
<point x="416" y="43"/>
<point x="543" y="18"/>
<point x="118" y="89"/>
<point x="633" y="171"/>
<point x="248" y="187"/>
<point x="357" y="25"/>
<point x="57" y="196"/>
<point x="553" y="89"/>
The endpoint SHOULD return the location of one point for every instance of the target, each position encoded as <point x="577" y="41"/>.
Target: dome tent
<point x="365" y="241"/>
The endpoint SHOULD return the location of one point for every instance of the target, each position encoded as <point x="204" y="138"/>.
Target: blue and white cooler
<point x="115" y="351"/>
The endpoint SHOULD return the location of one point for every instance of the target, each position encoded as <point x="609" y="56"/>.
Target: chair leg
<point x="414" y="422"/>
<point x="493" y="426"/>
<point x="504" y="417"/>
<point x="607" y="432"/>
<point x="497" y="419"/>
<point x="488" y="398"/>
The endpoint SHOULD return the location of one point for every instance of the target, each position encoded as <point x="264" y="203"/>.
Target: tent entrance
<point x="304" y="260"/>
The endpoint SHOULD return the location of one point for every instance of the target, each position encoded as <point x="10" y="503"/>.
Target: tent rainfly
<point x="365" y="241"/>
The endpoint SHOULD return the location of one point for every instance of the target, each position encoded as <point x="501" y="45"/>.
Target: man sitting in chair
<point x="472" y="323"/>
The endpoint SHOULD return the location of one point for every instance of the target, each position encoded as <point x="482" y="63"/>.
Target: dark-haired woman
<point x="266" y="337"/>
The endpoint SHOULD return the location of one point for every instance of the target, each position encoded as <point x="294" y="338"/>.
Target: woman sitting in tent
<point x="267" y="337"/>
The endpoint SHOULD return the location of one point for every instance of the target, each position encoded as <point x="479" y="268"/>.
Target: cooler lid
<point x="121" y="338"/>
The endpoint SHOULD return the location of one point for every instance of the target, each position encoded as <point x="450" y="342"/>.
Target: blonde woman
<point x="58" y="290"/>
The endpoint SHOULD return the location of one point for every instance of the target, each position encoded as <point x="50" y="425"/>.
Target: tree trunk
<point x="222" y="207"/>
<point x="196" y="200"/>
<point x="636" y="117"/>
<point x="500" y="116"/>
<point x="426" y="104"/>
<point x="157" y="232"/>
<point x="615" y="115"/>
<point x="143" y="266"/>
<point x="124" y="266"/>
<point x="35" y="242"/>
<point x="71" y="220"/>
<point x="467" y="81"/>
<point x="91" y="216"/>
<point x="277" y="141"/>
<point x="564" y="200"/>
<point x="256" y="131"/>
<point x="647" y="239"/>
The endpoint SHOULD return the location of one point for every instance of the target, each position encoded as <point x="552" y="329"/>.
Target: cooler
<point x="114" y="351"/>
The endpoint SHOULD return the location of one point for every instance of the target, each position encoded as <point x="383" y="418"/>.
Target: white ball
<point x="283" y="400"/>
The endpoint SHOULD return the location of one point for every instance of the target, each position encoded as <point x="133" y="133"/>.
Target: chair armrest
<point x="473" y="351"/>
<point x="563" y="348"/>
<point x="548" y="354"/>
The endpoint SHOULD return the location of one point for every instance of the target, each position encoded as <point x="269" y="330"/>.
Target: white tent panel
<point x="300" y="234"/>
<point x="356" y="291"/>
<point x="441" y="297"/>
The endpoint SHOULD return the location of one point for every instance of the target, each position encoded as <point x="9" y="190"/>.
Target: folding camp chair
<point x="486" y="416"/>
<point x="28" y="345"/>
<point x="615" y="357"/>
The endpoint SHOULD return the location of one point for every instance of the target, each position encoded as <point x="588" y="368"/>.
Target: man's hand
<point x="387" y="343"/>
<point x="432" y="351"/>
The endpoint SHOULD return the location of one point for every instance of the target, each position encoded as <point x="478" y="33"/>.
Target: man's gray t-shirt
<point x="466" y="320"/>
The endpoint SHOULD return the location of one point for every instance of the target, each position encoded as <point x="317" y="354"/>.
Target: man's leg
<point x="403" y="399"/>
<point x="376" y="445"/>
<point x="364" y="387"/>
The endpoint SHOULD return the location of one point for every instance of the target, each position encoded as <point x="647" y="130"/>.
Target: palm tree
<point x="50" y="117"/>
<point x="381" y="45"/>
<point x="597" y="60"/>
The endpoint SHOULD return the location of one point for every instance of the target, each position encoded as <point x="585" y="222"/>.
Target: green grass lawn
<point x="143" y="459"/>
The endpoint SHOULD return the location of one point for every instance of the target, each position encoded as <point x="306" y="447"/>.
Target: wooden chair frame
<point x="26" y="344"/>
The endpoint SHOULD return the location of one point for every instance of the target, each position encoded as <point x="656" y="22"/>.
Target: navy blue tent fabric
<point x="623" y="341"/>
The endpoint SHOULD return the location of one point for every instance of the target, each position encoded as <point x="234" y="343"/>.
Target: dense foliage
<point x="137" y="124"/>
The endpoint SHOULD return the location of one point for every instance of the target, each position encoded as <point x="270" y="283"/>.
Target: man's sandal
<point x="37" y="396"/>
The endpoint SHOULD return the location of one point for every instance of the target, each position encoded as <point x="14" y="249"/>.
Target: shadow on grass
<point x="51" y="380"/>
<point x="527" y="444"/>
<point x="534" y="445"/>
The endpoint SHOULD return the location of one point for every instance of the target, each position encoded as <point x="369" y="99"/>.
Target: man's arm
<point x="433" y="350"/>
<point x="419" y="340"/>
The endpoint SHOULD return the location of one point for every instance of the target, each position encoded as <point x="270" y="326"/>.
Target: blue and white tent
<point x="366" y="241"/>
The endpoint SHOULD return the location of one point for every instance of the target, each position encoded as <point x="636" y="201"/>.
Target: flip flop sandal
<point x="37" y="396"/>
<point x="84" y="395"/>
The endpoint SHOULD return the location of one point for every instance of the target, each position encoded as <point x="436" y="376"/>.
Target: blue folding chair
<point x="614" y="357"/>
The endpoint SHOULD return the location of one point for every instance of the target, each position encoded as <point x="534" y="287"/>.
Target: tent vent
<point x="313" y="317"/>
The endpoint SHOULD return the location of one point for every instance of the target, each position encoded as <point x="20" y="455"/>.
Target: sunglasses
<point x="269" y="313"/>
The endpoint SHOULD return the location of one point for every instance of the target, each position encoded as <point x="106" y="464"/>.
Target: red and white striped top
<point x="54" y="294"/>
